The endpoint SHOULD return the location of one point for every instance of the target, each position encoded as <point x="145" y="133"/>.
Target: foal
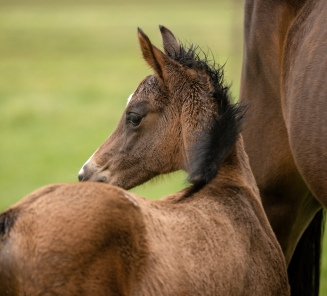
<point x="212" y="238"/>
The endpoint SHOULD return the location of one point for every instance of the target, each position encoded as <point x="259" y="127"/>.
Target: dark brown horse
<point x="286" y="134"/>
<point x="213" y="238"/>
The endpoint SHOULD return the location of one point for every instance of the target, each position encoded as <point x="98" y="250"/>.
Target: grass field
<point x="67" y="68"/>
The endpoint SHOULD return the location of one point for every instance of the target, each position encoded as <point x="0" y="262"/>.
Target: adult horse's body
<point x="212" y="238"/>
<point x="285" y="49"/>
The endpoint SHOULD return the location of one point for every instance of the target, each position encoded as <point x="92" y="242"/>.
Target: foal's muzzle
<point x="87" y="173"/>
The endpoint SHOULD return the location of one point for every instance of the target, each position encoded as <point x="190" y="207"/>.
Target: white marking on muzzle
<point x="81" y="171"/>
<point x="129" y="98"/>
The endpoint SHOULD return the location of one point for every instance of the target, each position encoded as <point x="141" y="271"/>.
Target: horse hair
<point x="7" y="220"/>
<point x="215" y="143"/>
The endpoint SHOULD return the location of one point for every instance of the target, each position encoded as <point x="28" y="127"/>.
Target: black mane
<point x="7" y="220"/>
<point x="216" y="143"/>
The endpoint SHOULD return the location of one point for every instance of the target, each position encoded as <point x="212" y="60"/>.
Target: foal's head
<point x="178" y="118"/>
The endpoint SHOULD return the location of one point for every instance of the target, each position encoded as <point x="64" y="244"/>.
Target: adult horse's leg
<point x="307" y="254"/>
<point x="286" y="197"/>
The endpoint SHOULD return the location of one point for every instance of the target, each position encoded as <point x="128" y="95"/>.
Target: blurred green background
<point x="67" y="68"/>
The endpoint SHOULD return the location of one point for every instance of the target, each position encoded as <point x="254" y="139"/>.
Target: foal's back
<point x="211" y="249"/>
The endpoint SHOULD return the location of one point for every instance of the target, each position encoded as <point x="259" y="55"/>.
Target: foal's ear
<point x="170" y="43"/>
<point x="152" y="55"/>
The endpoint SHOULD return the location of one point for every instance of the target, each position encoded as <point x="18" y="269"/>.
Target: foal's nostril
<point x="91" y="173"/>
<point x="80" y="177"/>
<point x="83" y="174"/>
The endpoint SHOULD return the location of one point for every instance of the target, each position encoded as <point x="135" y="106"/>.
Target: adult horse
<point x="212" y="238"/>
<point x="285" y="46"/>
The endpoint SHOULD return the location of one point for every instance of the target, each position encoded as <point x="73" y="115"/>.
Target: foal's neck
<point x="235" y="172"/>
<point x="233" y="178"/>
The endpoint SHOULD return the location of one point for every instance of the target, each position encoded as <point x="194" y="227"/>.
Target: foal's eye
<point x="134" y="118"/>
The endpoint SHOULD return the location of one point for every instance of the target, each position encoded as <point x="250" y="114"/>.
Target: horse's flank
<point x="284" y="78"/>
